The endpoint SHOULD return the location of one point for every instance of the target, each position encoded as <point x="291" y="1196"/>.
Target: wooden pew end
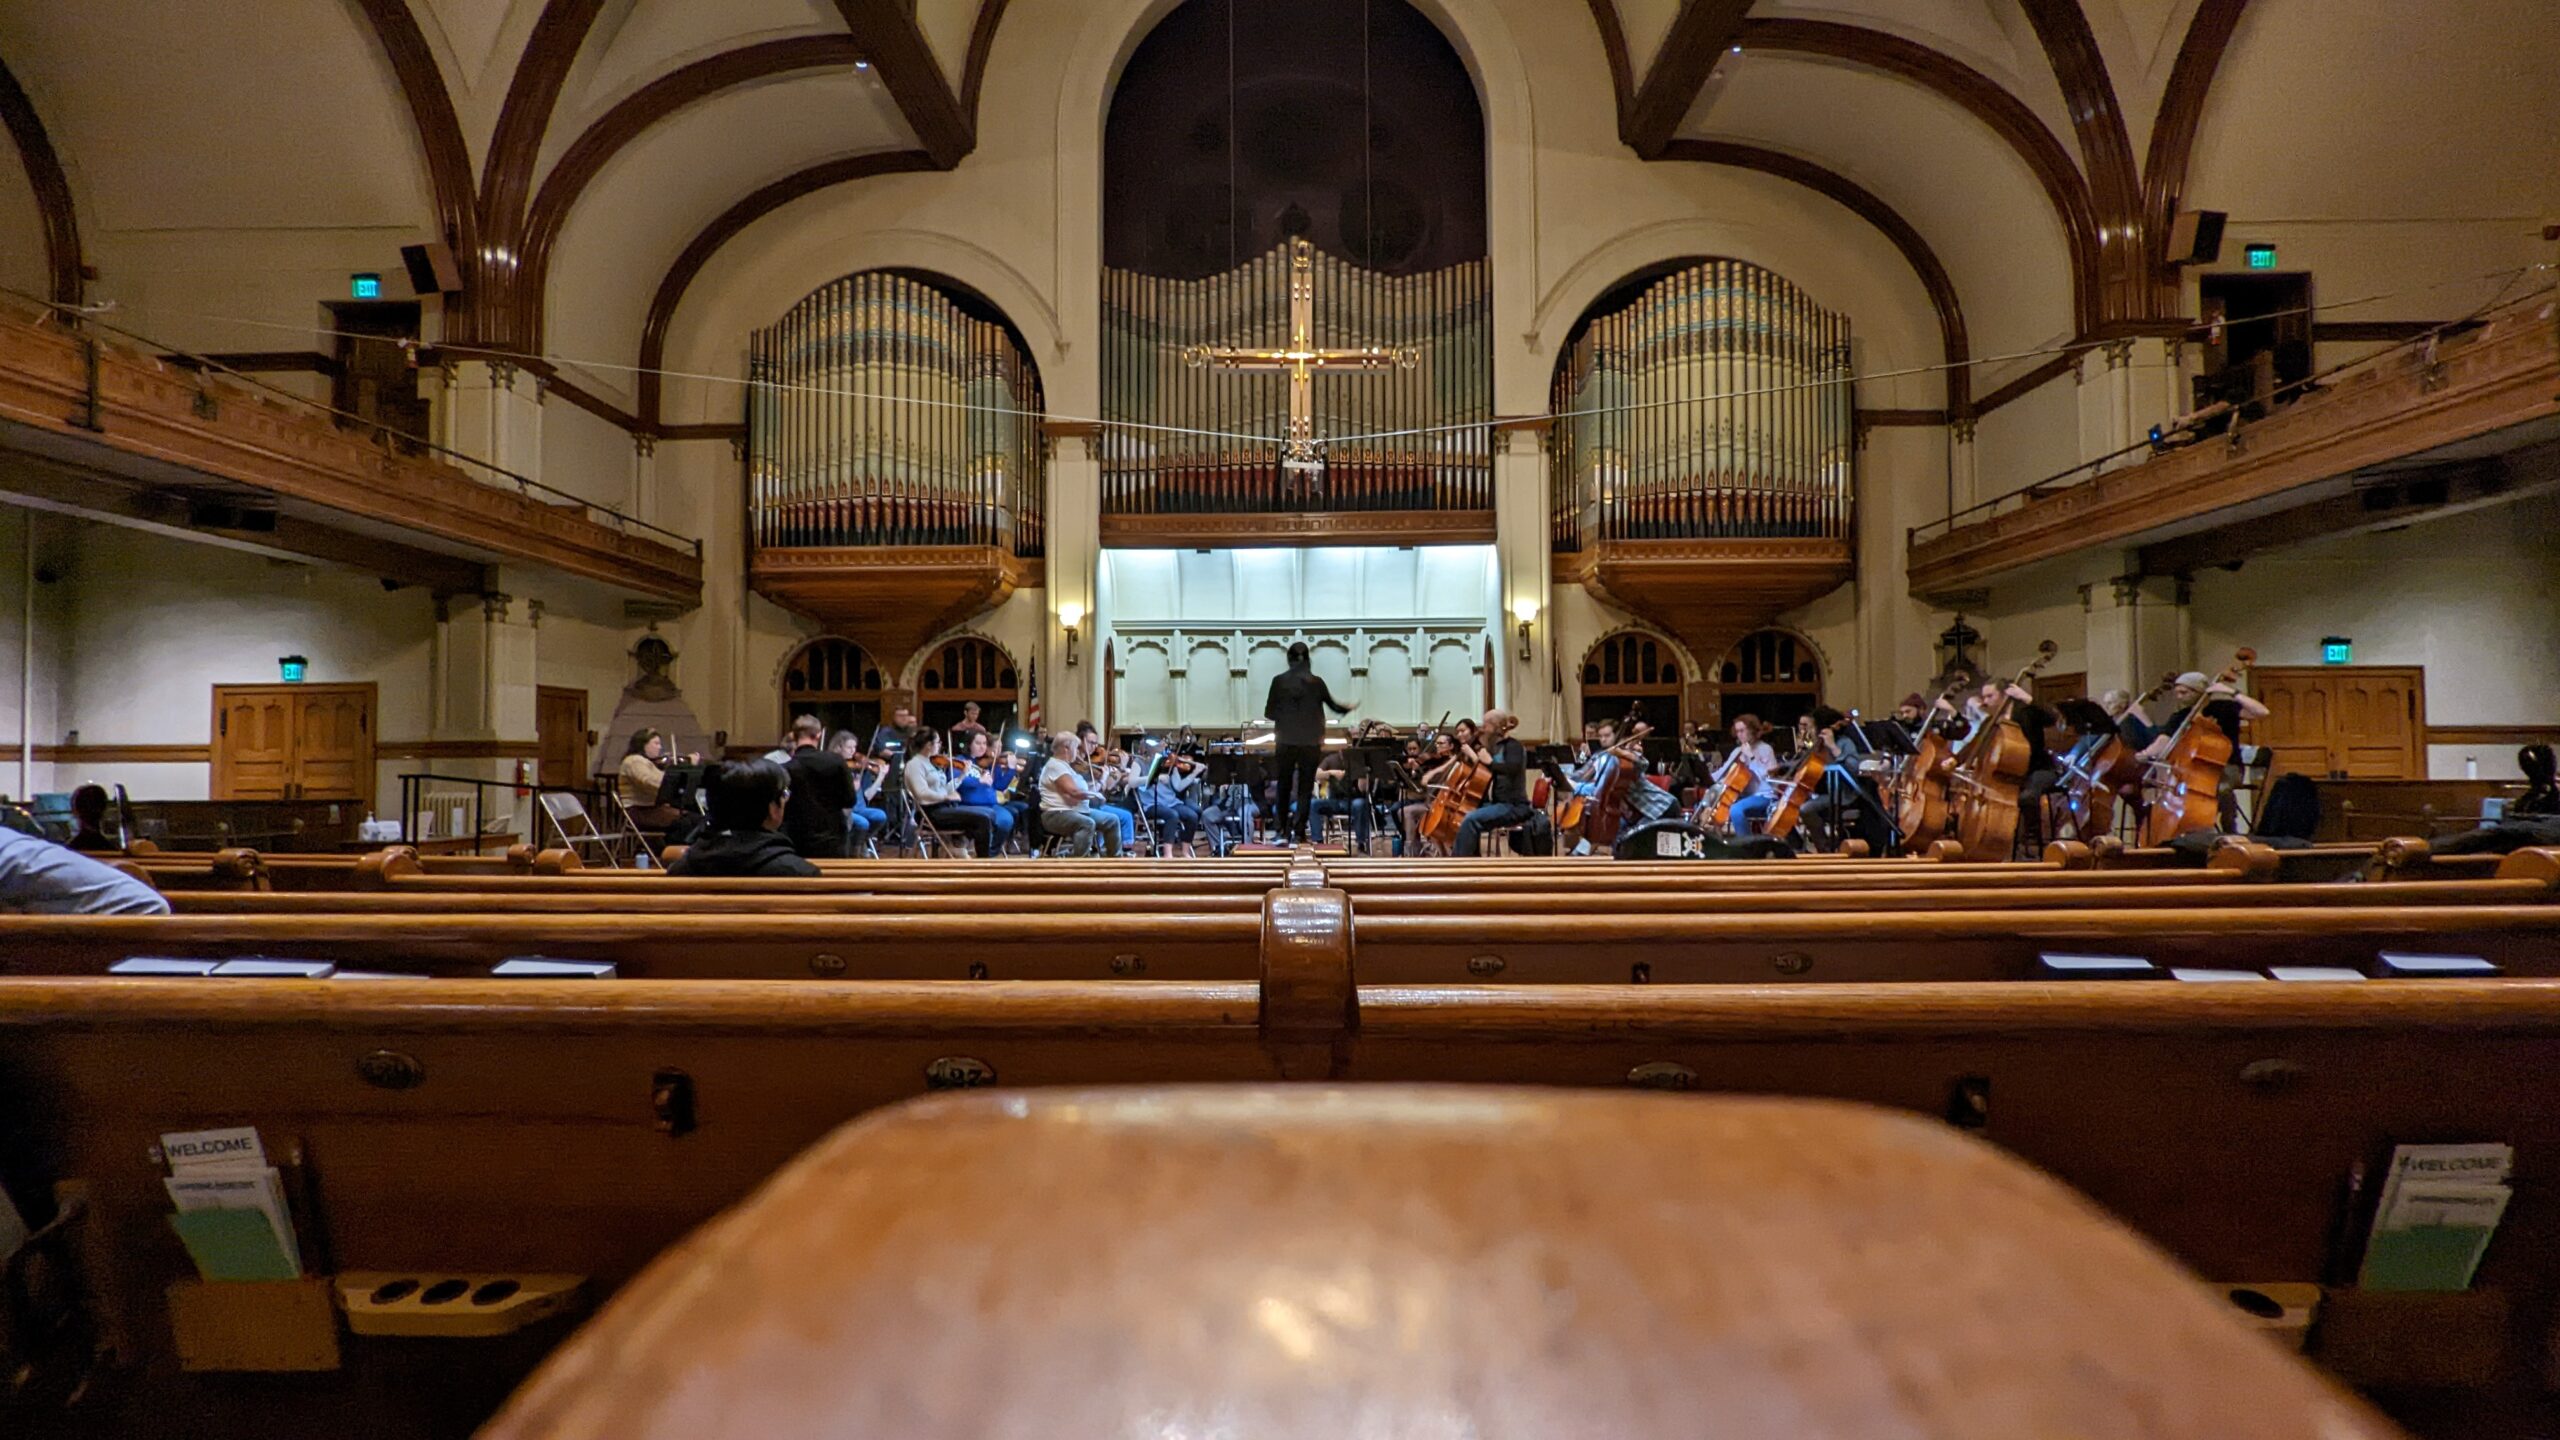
<point x="2248" y="859"/>
<point x="1314" y="1263"/>
<point x="2539" y="863"/>
<point x="1310" y="1000"/>
<point x="379" y="869"/>
<point x="2069" y="855"/>
<point x="557" y="862"/>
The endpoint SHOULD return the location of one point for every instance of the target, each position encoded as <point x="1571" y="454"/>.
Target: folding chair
<point x="577" y="829"/>
<point x="931" y="839"/>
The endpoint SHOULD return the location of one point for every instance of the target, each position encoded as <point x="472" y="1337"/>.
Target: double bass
<point x="2092" y="784"/>
<point x="2184" y="787"/>
<point x="1919" y="797"/>
<point x="1982" y="789"/>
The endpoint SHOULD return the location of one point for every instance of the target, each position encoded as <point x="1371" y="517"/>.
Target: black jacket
<point x="1296" y="707"/>
<point x="821" y="792"/>
<point x="753" y="853"/>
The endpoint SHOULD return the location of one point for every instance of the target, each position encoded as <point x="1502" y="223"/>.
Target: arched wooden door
<point x="968" y="670"/>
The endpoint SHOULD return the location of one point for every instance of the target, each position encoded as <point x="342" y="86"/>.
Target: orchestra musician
<point x="1845" y="785"/>
<point x="936" y="792"/>
<point x="2033" y="720"/>
<point x="1506" y="801"/>
<point x="1752" y="751"/>
<point x="819" y="793"/>
<point x="1068" y="807"/>
<point x="1912" y="714"/>
<point x="2223" y="706"/>
<point x="2135" y="731"/>
<point x="866" y="823"/>
<point x="1430" y="771"/>
<point x="1338" y="794"/>
<point x="1172" y="801"/>
<point x="967" y="725"/>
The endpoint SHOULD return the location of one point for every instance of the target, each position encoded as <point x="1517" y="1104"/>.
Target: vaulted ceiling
<point x="2023" y="155"/>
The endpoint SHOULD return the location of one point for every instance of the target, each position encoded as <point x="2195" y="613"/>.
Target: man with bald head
<point x="1506" y="801"/>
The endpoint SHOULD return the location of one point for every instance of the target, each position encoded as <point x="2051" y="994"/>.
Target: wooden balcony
<point x="108" y="432"/>
<point x="894" y="571"/>
<point x="2491" y="390"/>
<point x="1710" y="562"/>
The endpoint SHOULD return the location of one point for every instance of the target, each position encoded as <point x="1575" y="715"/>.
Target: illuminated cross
<point x="1299" y="457"/>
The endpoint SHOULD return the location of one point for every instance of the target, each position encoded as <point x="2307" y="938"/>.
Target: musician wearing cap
<point x="2221" y="704"/>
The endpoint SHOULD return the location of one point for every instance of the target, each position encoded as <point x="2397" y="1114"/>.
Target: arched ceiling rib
<point x="48" y="187"/>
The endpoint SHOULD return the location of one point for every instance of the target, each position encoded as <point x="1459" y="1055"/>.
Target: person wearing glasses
<point x="746" y="836"/>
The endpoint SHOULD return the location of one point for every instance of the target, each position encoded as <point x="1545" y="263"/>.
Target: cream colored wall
<point x="22" y="258"/>
<point x="40" y="713"/>
<point x="2475" y="599"/>
<point x="590" y="457"/>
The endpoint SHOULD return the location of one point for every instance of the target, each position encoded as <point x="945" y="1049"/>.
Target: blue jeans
<point x="1175" y="824"/>
<point x="865" y="823"/>
<point x="1748" y="812"/>
<point x="1487" y="817"/>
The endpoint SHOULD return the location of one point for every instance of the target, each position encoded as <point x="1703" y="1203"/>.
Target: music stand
<point x="679" y="786"/>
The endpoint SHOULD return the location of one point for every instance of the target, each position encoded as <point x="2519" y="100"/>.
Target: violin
<point x="1982" y="788"/>
<point x="2185" y="786"/>
<point x="1920" y="790"/>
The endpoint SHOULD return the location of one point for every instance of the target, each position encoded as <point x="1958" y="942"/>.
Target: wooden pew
<point x="1414" y="1261"/>
<point x="485" y="1129"/>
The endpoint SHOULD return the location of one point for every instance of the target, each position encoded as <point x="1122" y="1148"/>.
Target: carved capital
<point x="532" y="613"/>
<point x="2127" y="589"/>
<point x="502" y="374"/>
<point x="2119" y="353"/>
<point x="494" y="607"/>
<point x="645" y="445"/>
<point x="1964" y="430"/>
<point x="738" y="448"/>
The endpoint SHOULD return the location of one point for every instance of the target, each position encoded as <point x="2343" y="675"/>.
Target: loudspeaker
<point x="2195" y="237"/>
<point x="432" y="270"/>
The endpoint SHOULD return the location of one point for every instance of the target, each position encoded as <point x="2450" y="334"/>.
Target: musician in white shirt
<point x="1067" y="805"/>
<point x="1752" y="752"/>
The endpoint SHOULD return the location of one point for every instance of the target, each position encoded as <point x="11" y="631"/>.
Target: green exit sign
<point x="365" y="286"/>
<point x="2337" y="650"/>
<point x="2261" y="257"/>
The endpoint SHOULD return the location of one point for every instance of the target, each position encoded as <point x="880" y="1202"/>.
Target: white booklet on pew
<point x="231" y="1206"/>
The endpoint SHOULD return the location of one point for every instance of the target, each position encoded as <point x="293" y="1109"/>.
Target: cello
<point x="1800" y="782"/>
<point x="1609" y="806"/>
<point x="2184" y="787"/>
<point x="1982" y="789"/>
<point x="1919" y="795"/>
<point x="1468" y="783"/>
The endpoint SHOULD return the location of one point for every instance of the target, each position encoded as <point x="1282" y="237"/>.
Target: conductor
<point x="1296" y="709"/>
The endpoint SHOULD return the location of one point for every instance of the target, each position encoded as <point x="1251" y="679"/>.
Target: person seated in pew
<point x="866" y="824"/>
<point x="38" y="877"/>
<point x="936" y="792"/>
<point x="1067" y="805"/>
<point x="89" y="820"/>
<point x="746" y="839"/>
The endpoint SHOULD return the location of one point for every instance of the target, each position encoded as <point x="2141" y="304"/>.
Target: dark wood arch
<point x="587" y="155"/>
<point x="2115" y="188"/>
<point x="65" y="267"/>
<point x="1867" y="206"/>
<point x="838" y="680"/>
<point x="1979" y="96"/>
<point x="1772" y="673"/>
<point x="448" y="158"/>
<point x="493" y="290"/>
<point x="2173" y="137"/>
<point x="1633" y="663"/>
<point x="726" y="225"/>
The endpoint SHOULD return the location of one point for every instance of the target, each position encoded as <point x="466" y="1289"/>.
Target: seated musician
<point x="2135" y="730"/>
<point x="983" y="787"/>
<point x="1432" y="771"/>
<point x="1506" y="800"/>
<point x="642" y="777"/>
<point x="1845" y="790"/>
<point x="1338" y="794"/>
<point x="937" y="796"/>
<point x="1003" y="773"/>
<point x="746" y="839"/>
<point x="2541" y="795"/>
<point x="967" y="725"/>
<point x="1912" y="714"/>
<point x="2223" y="706"/>
<point x="1172" y="802"/>
<point x="865" y="822"/>
<point x="1752" y="751"/>
<point x="1068" y="808"/>
<point x="2033" y="720"/>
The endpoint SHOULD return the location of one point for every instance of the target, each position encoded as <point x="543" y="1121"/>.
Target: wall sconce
<point x="1071" y="620"/>
<point x="1526" y="612"/>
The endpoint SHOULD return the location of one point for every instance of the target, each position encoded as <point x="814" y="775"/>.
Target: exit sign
<point x="2337" y="650"/>
<point x="2261" y="257"/>
<point x="365" y="286"/>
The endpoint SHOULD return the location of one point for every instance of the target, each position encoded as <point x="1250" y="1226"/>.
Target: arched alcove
<point x="964" y="669"/>
<point x="1773" y="673"/>
<point x="836" y="680"/>
<point x="1634" y="672"/>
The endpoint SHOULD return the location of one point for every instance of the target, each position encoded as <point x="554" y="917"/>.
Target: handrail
<point x="413" y="788"/>
<point x="77" y="316"/>
<point x="2035" y="490"/>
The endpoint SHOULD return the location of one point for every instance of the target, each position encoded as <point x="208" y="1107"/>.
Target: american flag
<point x="1031" y="702"/>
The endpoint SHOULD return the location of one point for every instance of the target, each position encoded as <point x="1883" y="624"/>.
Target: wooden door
<point x="2362" y="722"/>
<point x="560" y="731"/>
<point x="293" y="742"/>
<point x="333" y="743"/>
<point x="252" y="742"/>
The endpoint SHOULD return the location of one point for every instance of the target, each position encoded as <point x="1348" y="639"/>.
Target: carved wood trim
<point x="110" y="754"/>
<point x="1883" y="419"/>
<point x="2173" y="134"/>
<point x="982" y="42"/>
<point x="1613" y="44"/>
<point x="587" y="155"/>
<point x="1330" y="527"/>
<point x="2053" y="369"/>
<point x="251" y="439"/>
<point x="1986" y="101"/>
<point x="495" y="289"/>
<point x="2358" y="332"/>
<point x="1870" y="207"/>
<point x="2493" y="734"/>
<point x="458" y="750"/>
<point x="2501" y="375"/>
<point x="65" y="267"/>
<point x="753" y="207"/>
